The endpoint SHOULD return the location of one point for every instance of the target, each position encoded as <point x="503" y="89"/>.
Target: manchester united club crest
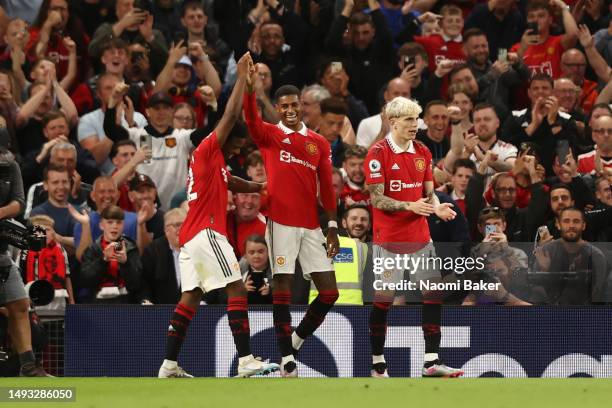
<point x="419" y="164"/>
<point x="312" y="148"/>
<point x="280" y="260"/>
<point x="171" y="142"/>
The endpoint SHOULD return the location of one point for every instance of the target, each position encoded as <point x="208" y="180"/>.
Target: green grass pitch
<point x="323" y="393"/>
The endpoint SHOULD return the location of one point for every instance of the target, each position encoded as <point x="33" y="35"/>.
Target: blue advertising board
<point x="486" y="341"/>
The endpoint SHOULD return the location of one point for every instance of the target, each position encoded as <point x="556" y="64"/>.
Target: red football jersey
<point x="356" y="194"/>
<point x="586" y="163"/>
<point x="544" y="58"/>
<point x="206" y="191"/>
<point x="438" y="49"/>
<point x="238" y="232"/>
<point x="294" y="161"/>
<point x="403" y="174"/>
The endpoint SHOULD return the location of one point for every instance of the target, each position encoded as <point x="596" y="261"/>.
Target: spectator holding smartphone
<point x="133" y="25"/>
<point x="111" y="265"/>
<point x="540" y="50"/>
<point x="255" y="268"/>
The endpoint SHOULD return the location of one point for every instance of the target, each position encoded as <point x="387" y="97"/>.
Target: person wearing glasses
<point x="161" y="274"/>
<point x="521" y="222"/>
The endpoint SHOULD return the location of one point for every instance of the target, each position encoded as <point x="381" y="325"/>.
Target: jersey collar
<point x="303" y="131"/>
<point x="457" y="39"/>
<point x="396" y="149"/>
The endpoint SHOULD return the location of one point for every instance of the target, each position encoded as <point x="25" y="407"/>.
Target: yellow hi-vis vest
<point x="348" y="266"/>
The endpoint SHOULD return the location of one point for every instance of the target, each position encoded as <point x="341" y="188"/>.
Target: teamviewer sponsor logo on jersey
<point x="287" y="157"/>
<point x="397" y="185"/>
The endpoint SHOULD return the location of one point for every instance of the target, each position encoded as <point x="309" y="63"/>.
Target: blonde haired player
<point x="399" y="178"/>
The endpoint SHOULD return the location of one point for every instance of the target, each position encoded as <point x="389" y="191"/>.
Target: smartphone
<point x="490" y="229"/>
<point x="136" y="55"/>
<point x="533" y="27"/>
<point x="258" y="279"/>
<point x="502" y="55"/>
<point x="146" y="140"/>
<point x="542" y="230"/>
<point x="118" y="246"/>
<point x="336" y="67"/>
<point x="527" y="148"/>
<point x="562" y="150"/>
<point x="409" y="61"/>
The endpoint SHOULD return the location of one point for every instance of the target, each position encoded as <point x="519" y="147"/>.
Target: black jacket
<point x="521" y="223"/>
<point x="513" y="131"/>
<point x="158" y="273"/>
<point x="369" y="69"/>
<point x="93" y="268"/>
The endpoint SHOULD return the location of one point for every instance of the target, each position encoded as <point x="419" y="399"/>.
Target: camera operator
<point x="12" y="292"/>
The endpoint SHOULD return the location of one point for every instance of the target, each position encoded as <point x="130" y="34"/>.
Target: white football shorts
<point x="208" y="262"/>
<point x="287" y="244"/>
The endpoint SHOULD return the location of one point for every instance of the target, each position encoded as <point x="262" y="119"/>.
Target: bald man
<point x="573" y="66"/>
<point x="370" y="127"/>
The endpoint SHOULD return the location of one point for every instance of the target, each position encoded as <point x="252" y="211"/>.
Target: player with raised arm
<point x="296" y="158"/>
<point x="399" y="178"/>
<point x="207" y="260"/>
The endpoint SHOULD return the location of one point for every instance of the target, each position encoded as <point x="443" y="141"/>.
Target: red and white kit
<point x="207" y="259"/>
<point x="294" y="162"/>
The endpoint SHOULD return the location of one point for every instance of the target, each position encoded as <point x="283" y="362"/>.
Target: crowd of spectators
<point x="102" y="103"/>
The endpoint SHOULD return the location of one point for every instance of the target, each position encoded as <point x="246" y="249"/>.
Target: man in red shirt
<point x="245" y="221"/>
<point x="354" y="191"/>
<point x="400" y="179"/>
<point x="595" y="161"/>
<point x="449" y="44"/>
<point x="296" y="158"/>
<point x="541" y="51"/>
<point x="207" y="260"/>
<point x="573" y="66"/>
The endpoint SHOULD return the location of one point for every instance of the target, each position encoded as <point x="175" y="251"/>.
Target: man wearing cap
<point x="143" y="195"/>
<point x="170" y="147"/>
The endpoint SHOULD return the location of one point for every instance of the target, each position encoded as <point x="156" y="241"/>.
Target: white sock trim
<point x="169" y="364"/>
<point x="242" y="360"/>
<point x="287" y="359"/>
<point x="378" y="359"/>
<point x="430" y="357"/>
<point x="296" y="341"/>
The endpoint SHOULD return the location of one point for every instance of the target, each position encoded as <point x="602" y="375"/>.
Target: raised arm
<point x="66" y="103"/>
<point x="597" y="62"/>
<point x="240" y="185"/>
<point x="257" y="127"/>
<point x="204" y="68"/>
<point x="31" y="105"/>
<point x="234" y="106"/>
<point x="164" y="79"/>
<point x="569" y="24"/>
<point x="112" y="130"/>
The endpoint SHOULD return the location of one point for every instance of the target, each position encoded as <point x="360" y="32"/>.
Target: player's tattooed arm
<point x="429" y="194"/>
<point x="382" y="202"/>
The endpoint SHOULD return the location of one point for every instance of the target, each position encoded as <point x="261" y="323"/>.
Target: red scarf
<point x="48" y="264"/>
<point x="111" y="277"/>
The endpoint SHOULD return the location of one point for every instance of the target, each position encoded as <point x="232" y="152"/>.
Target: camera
<point x="31" y="237"/>
<point x="27" y="238"/>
